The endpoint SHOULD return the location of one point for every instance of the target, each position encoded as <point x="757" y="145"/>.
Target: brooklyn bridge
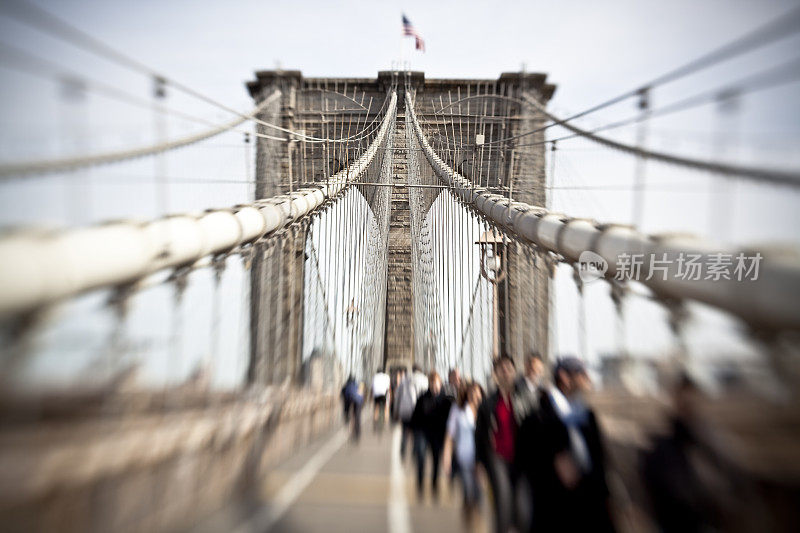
<point x="177" y="347"/>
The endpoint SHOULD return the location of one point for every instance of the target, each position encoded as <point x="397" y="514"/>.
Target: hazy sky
<point x="591" y="49"/>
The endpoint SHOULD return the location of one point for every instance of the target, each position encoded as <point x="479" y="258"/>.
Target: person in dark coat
<point x="353" y="394"/>
<point x="430" y="423"/>
<point x="531" y="441"/>
<point x="570" y="481"/>
<point x="682" y="499"/>
<point x="347" y="394"/>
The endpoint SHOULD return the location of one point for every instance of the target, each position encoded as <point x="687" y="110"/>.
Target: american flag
<point x="408" y="30"/>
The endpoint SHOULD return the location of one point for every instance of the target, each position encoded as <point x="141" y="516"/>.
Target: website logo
<point x="591" y="266"/>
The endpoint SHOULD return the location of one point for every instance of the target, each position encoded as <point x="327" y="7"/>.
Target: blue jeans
<point x="472" y="491"/>
<point x="421" y="445"/>
<point x="407" y="432"/>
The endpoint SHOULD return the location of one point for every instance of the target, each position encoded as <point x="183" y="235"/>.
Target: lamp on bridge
<point x="492" y="246"/>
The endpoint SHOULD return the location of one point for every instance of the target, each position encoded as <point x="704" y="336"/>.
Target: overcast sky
<point x="591" y="49"/>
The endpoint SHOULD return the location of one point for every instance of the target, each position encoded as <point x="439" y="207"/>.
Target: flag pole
<point x="402" y="66"/>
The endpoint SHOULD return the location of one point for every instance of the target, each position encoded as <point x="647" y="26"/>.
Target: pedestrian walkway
<point x="340" y="486"/>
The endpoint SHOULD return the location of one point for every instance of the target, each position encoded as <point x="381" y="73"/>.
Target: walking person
<point x="346" y="394"/>
<point x="419" y="379"/>
<point x="577" y="498"/>
<point x="459" y="447"/>
<point x="452" y="389"/>
<point x="353" y="393"/>
<point x="405" y="401"/>
<point x="530" y="438"/>
<point x="397" y="378"/>
<point x="692" y="483"/>
<point x="380" y="392"/>
<point x="533" y="376"/>
<point x="453" y="385"/>
<point x="496" y="426"/>
<point x="430" y="422"/>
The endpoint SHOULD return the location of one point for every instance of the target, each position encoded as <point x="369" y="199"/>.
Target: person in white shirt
<point x="381" y="384"/>
<point x="420" y="380"/>
<point x="460" y="444"/>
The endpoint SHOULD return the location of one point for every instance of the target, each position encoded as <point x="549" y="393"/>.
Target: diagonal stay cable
<point x="34" y="16"/>
<point x="783" y="74"/>
<point x="773" y="31"/>
<point x="11" y="170"/>
<point x="761" y="174"/>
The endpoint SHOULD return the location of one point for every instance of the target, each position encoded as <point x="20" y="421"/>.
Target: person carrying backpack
<point x="404" y="403"/>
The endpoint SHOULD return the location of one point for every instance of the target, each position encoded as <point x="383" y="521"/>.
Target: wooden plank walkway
<point x="337" y="485"/>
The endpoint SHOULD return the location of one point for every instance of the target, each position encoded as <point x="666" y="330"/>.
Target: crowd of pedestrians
<point x="531" y="448"/>
<point x="536" y="444"/>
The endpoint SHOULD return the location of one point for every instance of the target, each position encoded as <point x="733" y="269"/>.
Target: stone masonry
<point x="504" y="169"/>
<point x="399" y="323"/>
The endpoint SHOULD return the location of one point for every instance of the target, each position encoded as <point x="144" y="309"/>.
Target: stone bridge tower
<point x="515" y="167"/>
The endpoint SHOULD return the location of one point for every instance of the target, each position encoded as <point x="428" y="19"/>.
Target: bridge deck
<point x="339" y="486"/>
